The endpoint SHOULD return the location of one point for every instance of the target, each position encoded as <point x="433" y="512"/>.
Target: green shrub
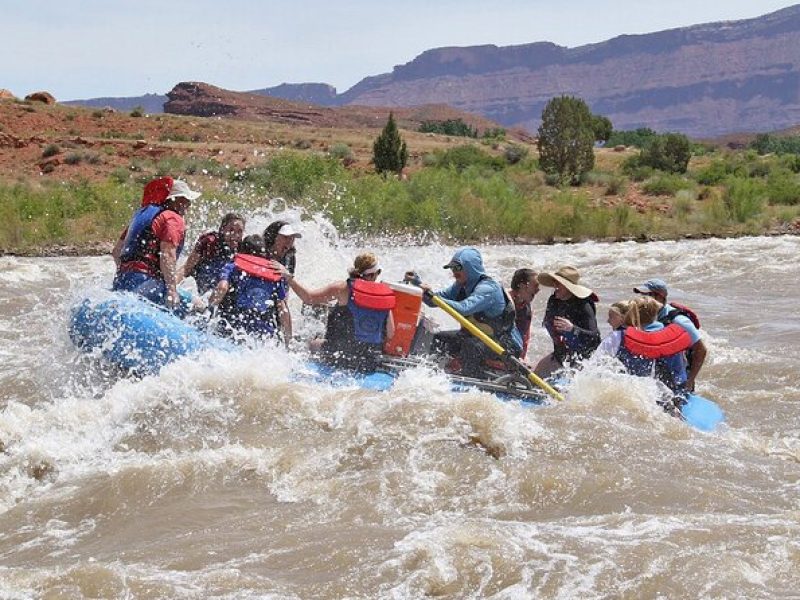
<point x="768" y="144"/>
<point x="340" y="151"/>
<point x="665" y="184"/>
<point x="137" y="111"/>
<point x="744" y="199"/>
<point x="429" y="160"/>
<point x="172" y="136"/>
<point x="74" y="158"/>
<point x="54" y="212"/>
<point x="669" y="152"/>
<point x="637" y="137"/>
<point x="292" y="175"/>
<point x="791" y="162"/>
<point x="616" y="186"/>
<point x="455" y="127"/>
<point x="496" y="134"/>
<point x="461" y="157"/>
<point x="515" y="153"/>
<point x="713" y="174"/>
<point x="684" y="203"/>
<point x="50" y="150"/>
<point x="783" y="188"/>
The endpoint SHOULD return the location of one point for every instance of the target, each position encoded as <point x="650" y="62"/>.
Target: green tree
<point x="669" y="152"/>
<point x="566" y="139"/>
<point x="389" y="152"/>
<point x="602" y="128"/>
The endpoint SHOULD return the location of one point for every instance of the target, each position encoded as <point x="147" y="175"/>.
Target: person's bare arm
<point x="189" y="265"/>
<point x="699" y="353"/>
<point x="168" y="263"/>
<point x="219" y="293"/>
<point x="286" y="321"/>
<point x="324" y="295"/>
<point x="389" y="327"/>
<point x="116" y="251"/>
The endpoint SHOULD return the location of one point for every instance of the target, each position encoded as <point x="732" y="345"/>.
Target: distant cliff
<point x="705" y="80"/>
<point x="321" y="94"/>
<point x="151" y="103"/>
<point x="205" y="100"/>
<point x="702" y="80"/>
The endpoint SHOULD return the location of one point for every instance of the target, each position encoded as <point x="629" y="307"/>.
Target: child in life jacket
<point x="649" y="349"/>
<point x="358" y="322"/>
<point x="251" y="296"/>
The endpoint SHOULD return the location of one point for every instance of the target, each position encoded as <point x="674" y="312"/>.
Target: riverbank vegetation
<point x="461" y="189"/>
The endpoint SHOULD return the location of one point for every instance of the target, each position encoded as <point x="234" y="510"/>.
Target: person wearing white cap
<point x="147" y="252"/>
<point x="279" y="237"/>
<point x="570" y="318"/>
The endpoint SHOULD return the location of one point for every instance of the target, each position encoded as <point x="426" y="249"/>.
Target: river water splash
<point x="221" y="477"/>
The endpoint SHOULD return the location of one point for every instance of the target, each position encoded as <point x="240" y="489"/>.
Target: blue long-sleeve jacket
<point x="480" y="294"/>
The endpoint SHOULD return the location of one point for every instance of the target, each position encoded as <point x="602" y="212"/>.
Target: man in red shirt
<point x="147" y="252"/>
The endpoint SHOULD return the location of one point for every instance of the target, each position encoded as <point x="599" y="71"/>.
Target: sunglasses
<point x="456" y="267"/>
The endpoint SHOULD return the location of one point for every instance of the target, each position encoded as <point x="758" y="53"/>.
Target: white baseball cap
<point x="181" y="189"/>
<point x="289" y="231"/>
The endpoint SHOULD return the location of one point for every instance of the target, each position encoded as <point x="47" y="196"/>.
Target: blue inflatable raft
<point x="140" y="337"/>
<point x="134" y="334"/>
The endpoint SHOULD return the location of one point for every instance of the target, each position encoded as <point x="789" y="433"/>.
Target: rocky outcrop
<point x="44" y="97"/>
<point x="204" y="100"/>
<point x="703" y="80"/>
<point x="6" y="95"/>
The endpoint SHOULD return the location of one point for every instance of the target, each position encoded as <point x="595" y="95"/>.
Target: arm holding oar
<point x="494" y="346"/>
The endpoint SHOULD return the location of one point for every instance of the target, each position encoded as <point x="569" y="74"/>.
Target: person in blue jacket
<point x="483" y="300"/>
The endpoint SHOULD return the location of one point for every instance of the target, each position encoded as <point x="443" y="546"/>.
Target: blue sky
<point x="91" y="48"/>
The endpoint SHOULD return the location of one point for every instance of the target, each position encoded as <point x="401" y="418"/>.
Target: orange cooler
<point x="406" y="317"/>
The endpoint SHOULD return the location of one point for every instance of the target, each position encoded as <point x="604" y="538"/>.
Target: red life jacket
<point x="373" y="295"/>
<point x="657" y="344"/>
<point x="257" y="266"/>
<point x="156" y="191"/>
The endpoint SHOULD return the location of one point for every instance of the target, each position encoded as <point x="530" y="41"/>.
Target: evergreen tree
<point x="602" y="128"/>
<point x="669" y="152"/>
<point x="389" y="152"/>
<point x="566" y="139"/>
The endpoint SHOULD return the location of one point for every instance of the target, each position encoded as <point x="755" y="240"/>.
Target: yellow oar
<point x="495" y="347"/>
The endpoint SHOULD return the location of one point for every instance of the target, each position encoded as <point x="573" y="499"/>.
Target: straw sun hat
<point x="568" y="277"/>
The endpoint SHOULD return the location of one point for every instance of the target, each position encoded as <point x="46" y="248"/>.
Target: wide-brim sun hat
<point x="569" y="278"/>
<point x="289" y="231"/>
<point x="181" y="189"/>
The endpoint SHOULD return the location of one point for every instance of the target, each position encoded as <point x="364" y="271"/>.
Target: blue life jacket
<point x="635" y="364"/>
<point x="253" y="296"/>
<point x="369" y="303"/>
<point x="141" y="251"/>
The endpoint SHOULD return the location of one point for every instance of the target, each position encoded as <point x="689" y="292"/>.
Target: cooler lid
<point x="404" y="288"/>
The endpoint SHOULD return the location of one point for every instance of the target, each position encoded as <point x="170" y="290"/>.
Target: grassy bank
<point x="465" y="193"/>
